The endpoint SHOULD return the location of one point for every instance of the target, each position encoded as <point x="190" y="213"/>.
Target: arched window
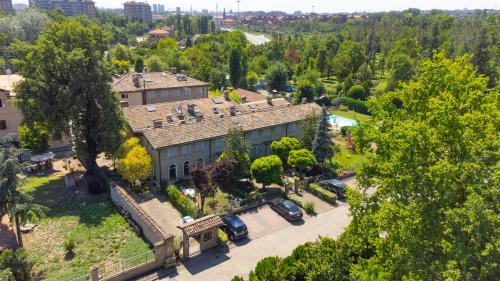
<point x="186" y="168"/>
<point x="172" y="172"/>
<point x="200" y="161"/>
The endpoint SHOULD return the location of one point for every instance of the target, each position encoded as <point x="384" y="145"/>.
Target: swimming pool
<point x="341" y="121"/>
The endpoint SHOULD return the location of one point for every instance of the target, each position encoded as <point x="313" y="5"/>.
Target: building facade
<point x="68" y="7"/>
<point x="138" y="10"/>
<point x="157" y="87"/>
<point x="10" y="116"/>
<point x="6" y="6"/>
<point x="178" y="134"/>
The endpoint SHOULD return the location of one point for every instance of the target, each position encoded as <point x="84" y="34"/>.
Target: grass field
<point x="100" y="233"/>
<point x="348" y="159"/>
<point x="352" y="115"/>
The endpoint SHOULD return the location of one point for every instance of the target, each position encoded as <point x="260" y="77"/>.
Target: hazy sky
<point x="319" y="5"/>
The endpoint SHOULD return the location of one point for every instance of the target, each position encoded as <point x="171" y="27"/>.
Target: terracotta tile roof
<point x="159" y="31"/>
<point x="157" y="80"/>
<point x="210" y="128"/>
<point x="140" y="119"/>
<point x="251" y="96"/>
<point x="200" y="225"/>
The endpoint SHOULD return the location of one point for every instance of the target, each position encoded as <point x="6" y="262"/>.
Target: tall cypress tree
<point x="322" y="145"/>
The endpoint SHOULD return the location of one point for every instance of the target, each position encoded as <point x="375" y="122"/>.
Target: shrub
<point x="322" y="193"/>
<point x="355" y="105"/>
<point x="357" y="92"/>
<point x="183" y="204"/>
<point x="345" y="130"/>
<point x="295" y="200"/>
<point x="309" y="208"/>
<point x="17" y="262"/>
<point x="222" y="238"/>
<point x="177" y="244"/>
<point x="69" y="244"/>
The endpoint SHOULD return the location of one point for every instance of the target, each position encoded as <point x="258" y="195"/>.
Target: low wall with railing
<point x="162" y="254"/>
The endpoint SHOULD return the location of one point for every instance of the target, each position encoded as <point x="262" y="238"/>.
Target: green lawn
<point x="348" y="159"/>
<point x="352" y="115"/>
<point x="330" y="84"/>
<point x="101" y="234"/>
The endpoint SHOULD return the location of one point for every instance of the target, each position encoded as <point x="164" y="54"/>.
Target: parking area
<point x="261" y="221"/>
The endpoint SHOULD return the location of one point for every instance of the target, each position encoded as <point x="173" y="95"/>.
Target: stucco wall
<point x="260" y="141"/>
<point x="11" y="114"/>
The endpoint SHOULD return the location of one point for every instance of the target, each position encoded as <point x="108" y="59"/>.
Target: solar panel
<point x="217" y="100"/>
<point x="150" y="108"/>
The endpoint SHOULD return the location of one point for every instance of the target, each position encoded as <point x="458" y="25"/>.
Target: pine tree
<point x="139" y="65"/>
<point x="322" y="144"/>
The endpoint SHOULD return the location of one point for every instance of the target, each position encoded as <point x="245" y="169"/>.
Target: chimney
<point x="157" y="123"/>
<point x="304" y="100"/>
<point x="191" y="109"/>
<point x="226" y="95"/>
<point x="184" y="72"/>
<point x="270" y="100"/>
<point x="243" y="99"/>
<point x="136" y="78"/>
<point x="232" y="110"/>
<point x="199" y="117"/>
<point x="173" y="70"/>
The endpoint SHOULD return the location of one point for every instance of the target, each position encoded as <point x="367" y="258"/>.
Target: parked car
<point x="335" y="186"/>
<point x="234" y="227"/>
<point x="286" y="208"/>
<point x="187" y="219"/>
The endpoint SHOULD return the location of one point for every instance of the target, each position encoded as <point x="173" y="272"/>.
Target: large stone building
<point x="178" y="134"/>
<point x="10" y="116"/>
<point x="68" y="7"/>
<point x="156" y="87"/>
<point x="6" y="6"/>
<point x="138" y="11"/>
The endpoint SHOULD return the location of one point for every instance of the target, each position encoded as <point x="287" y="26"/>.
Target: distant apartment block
<point x="157" y="87"/>
<point x="68" y="7"/>
<point x="6" y="6"/>
<point x="138" y="11"/>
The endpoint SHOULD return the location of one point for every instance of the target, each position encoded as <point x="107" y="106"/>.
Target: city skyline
<point x="323" y="6"/>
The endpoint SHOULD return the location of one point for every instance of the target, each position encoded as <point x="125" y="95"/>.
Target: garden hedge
<point x="355" y="105"/>
<point x="322" y="193"/>
<point x="182" y="203"/>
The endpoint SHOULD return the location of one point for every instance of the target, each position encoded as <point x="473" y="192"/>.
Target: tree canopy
<point x="66" y="84"/>
<point x="267" y="170"/>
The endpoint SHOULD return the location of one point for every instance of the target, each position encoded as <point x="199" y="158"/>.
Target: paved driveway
<point x="261" y="221"/>
<point x="224" y="265"/>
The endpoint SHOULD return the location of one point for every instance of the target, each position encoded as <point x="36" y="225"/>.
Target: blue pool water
<point x="341" y="121"/>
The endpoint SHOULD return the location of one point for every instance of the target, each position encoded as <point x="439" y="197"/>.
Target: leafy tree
<point x="66" y="83"/>
<point x="322" y="61"/>
<point x="17" y="262"/>
<point x="25" y="25"/>
<point x="126" y="147"/>
<point x="301" y="159"/>
<point x="136" y="166"/>
<point x="139" y="65"/>
<point x="121" y="66"/>
<point x="237" y="66"/>
<point x="34" y="137"/>
<point x="357" y="92"/>
<point x="305" y="89"/>
<point x="122" y="53"/>
<point x="267" y="170"/>
<point x="266" y="269"/>
<point x="201" y="183"/>
<point x="277" y="77"/>
<point x="223" y="173"/>
<point x="252" y="79"/>
<point x="18" y="205"/>
<point x="322" y="147"/>
<point x="217" y="79"/>
<point x="350" y="57"/>
<point x="436" y="171"/>
<point x="309" y="126"/>
<point x="236" y="147"/>
<point x="400" y="70"/>
<point x="361" y="136"/>
<point x="282" y="147"/>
